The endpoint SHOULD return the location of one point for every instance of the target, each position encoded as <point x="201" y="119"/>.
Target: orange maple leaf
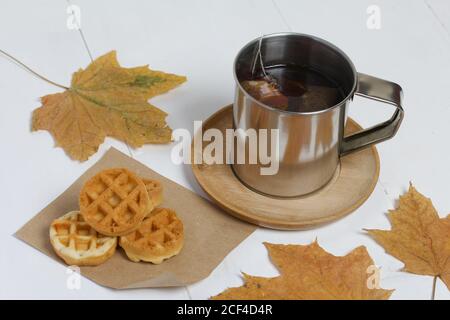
<point x="419" y="238"/>
<point x="309" y="272"/>
<point x="106" y="99"/>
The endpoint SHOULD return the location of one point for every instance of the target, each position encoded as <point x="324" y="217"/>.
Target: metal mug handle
<point x="382" y="91"/>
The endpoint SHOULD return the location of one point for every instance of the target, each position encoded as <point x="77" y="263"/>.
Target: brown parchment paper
<point x="210" y="234"/>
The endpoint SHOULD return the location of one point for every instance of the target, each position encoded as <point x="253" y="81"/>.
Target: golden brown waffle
<point x="79" y="244"/>
<point x="114" y="202"/>
<point x="154" y="190"/>
<point x="159" y="237"/>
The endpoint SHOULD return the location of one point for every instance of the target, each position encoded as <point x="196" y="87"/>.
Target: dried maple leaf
<point x="309" y="272"/>
<point x="106" y="99"/>
<point x="419" y="238"/>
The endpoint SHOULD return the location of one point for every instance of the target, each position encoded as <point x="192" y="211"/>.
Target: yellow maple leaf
<point x="309" y="272"/>
<point x="419" y="238"/>
<point x="106" y="99"/>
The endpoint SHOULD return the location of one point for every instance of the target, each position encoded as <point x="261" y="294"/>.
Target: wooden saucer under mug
<point x="350" y="187"/>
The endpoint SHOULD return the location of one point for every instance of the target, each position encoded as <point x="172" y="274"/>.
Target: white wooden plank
<point x="441" y="10"/>
<point x="200" y="39"/>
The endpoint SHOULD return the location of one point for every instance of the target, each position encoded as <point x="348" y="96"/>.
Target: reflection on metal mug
<point x="310" y="143"/>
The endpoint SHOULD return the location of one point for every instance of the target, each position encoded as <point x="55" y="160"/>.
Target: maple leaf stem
<point x="7" y="55"/>
<point x="433" y="291"/>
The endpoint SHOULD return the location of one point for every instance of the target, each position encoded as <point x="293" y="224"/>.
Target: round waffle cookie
<point x="159" y="237"/>
<point x="79" y="244"/>
<point x="154" y="190"/>
<point x="114" y="202"/>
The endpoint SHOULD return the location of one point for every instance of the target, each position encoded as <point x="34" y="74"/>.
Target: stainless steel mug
<point x="310" y="143"/>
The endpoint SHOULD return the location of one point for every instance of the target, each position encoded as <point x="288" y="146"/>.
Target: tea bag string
<point x="259" y="57"/>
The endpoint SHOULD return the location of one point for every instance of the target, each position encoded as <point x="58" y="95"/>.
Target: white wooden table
<point x="200" y="39"/>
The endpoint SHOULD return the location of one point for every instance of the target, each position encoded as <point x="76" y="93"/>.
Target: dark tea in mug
<point x="293" y="88"/>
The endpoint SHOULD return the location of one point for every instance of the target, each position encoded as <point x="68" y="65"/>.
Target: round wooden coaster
<point x="352" y="184"/>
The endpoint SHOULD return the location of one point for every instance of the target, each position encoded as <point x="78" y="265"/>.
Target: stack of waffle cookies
<point x="116" y="206"/>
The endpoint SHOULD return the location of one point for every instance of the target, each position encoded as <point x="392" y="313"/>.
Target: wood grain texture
<point x="351" y="185"/>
